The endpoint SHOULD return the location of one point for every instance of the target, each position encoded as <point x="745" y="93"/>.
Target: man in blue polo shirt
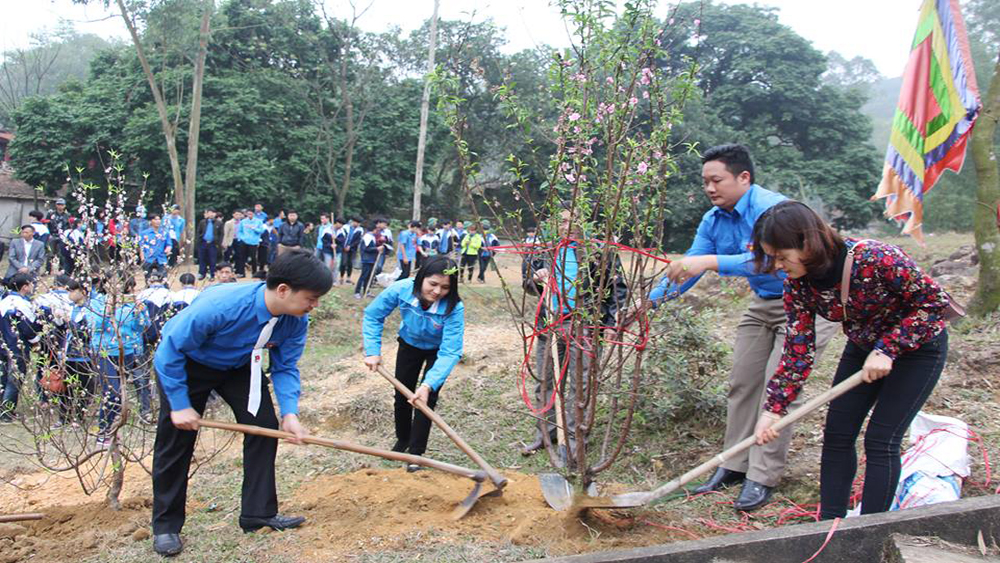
<point x="249" y="232"/>
<point x="216" y="344"/>
<point x="154" y="246"/>
<point x="722" y="244"/>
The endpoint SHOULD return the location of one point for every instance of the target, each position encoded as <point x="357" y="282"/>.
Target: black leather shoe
<point x="276" y="522"/>
<point x="400" y="446"/>
<point x="721" y="479"/>
<point x="753" y="495"/>
<point x="167" y="545"/>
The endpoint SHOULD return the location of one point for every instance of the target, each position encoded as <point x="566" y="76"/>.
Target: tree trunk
<point x="345" y="93"/>
<point x="418" y="179"/>
<point x="194" y="128"/>
<point x="117" y="476"/>
<point x="169" y="133"/>
<point x="984" y="154"/>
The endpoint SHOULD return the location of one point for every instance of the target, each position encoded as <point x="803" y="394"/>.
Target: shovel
<point x="499" y="481"/>
<point x="461" y="510"/>
<point x="630" y="500"/>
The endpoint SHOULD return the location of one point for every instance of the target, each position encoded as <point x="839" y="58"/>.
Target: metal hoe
<point x="561" y="496"/>
<point x="499" y="481"/>
<point x="461" y="510"/>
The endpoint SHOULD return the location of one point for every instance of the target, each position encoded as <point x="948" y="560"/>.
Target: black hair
<point x="36" y="214"/>
<point x="187" y="278"/>
<point x="32" y="227"/>
<point x="372" y="225"/>
<point x="152" y="216"/>
<point x="19" y="280"/>
<point x="415" y="224"/>
<point x="438" y="264"/>
<point x="445" y="222"/>
<point x="299" y="269"/>
<point x="735" y="157"/>
<point x="339" y="220"/>
<point x="381" y="220"/>
<point x="260" y="275"/>
<point x="73" y="285"/>
<point x="62" y="280"/>
<point x="222" y="265"/>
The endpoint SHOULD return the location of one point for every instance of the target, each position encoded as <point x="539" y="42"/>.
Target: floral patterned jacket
<point x="892" y="305"/>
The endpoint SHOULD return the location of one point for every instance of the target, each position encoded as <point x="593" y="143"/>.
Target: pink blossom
<point x="657" y="42"/>
<point x="574" y="116"/>
<point x="571" y="150"/>
<point x="570" y="178"/>
<point x="671" y="22"/>
<point x="564" y="166"/>
<point x="645" y="94"/>
<point x="657" y="155"/>
<point x="577" y="129"/>
<point x="643" y="167"/>
<point x="610" y="80"/>
<point x="697" y="22"/>
<point x="583" y="177"/>
<point x="611" y="108"/>
<point x="633" y="100"/>
<point x="580" y="77"/>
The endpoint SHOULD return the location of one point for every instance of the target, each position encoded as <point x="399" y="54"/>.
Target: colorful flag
<point x="938" y="105"/>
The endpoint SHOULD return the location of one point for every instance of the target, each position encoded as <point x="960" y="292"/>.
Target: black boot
<point x="721" y="479"/>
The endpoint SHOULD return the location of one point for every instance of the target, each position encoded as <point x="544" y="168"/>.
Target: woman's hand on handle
<point x="877" y="366"/>
<point x="373" y="362"/>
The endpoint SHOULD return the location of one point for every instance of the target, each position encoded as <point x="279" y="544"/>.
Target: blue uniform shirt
<point x="176" y="224"/>
<point x="427" y="330"/>
<point x="154" y="244"/>
<point x="210" y="231"/>
<point x="407" y="245"/>
<point x="130" y="321"/>
<point x="727" y="234"/>
<point x="219" y="329"/>
<point x="250" y="230"/>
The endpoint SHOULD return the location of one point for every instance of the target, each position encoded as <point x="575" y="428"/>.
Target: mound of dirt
<point x="382" y="509"/>
<point x="70" y="533"/>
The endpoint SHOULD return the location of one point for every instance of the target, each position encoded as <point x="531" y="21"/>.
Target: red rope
<point x="829" y="536"/>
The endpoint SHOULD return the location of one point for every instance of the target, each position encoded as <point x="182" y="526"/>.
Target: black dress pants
<point x="174" y="447"/>
<point x="412" y="426"/>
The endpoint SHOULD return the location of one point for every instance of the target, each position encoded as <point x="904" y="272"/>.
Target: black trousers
<point x="896" y="398"/>
<point x="208" y="255"/>
<point x="484" y="263"/>
<point x="173" y="448"/>
<point x="263" y="251"/>
<point x="468" y="264"/>
<point x="412" y="426"/>
<point x="367" y="269"/>
<point x="404" y="269"/>
<point x="347" y="264"/>
<point x="246" y="252"/>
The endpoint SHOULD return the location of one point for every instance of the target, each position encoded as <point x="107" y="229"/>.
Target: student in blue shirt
<point x="249" y="234"/>
<point x="370" y="250"/>
<point x="352" y="240"/>
<point x="406" y="253"/>
<point x="117" y="326"/>
<point x="722" y="244"/>
<point x="332" y="245"/>
<point x="485" y="254"/>
<point x="216" y="344"/>
<point x="20" y="330"/>
<point x="79" y="360"/>
<point x="154" y="246"/>
<point x="430" y="340"/>
<point x="176" y="223"/>
<point x="384" y="234"/>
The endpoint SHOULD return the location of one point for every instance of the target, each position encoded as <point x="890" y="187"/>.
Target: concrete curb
<point x="856" y="539"/>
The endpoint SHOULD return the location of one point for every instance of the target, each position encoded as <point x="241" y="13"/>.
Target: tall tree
<point x="425" y="102"/>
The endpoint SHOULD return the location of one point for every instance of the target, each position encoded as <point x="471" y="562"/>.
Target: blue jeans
<point x="111" y="388"/>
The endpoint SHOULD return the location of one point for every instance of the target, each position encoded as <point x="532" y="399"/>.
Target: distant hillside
<point x="881" y="105"/>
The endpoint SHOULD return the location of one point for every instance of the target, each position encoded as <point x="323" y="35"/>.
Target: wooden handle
<point x="21" y="517"/>
<point x="347" y="446"/>
<point x="498" y="480"/>
<point x="793" y="417"/>
<point x="556" y="370"/>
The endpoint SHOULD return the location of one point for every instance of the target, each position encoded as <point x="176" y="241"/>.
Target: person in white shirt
<point x="182" y="298"/>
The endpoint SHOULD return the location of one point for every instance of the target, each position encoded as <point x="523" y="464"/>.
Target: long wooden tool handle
<point x="347" y="446"/>
<point x="498" y="480"/>
<point x="557" y="391"/>
<point x="793" y="417"/>
<point x="21" y="517"/>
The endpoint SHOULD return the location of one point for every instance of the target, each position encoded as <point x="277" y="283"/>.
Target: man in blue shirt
<point x="248" y="233"/>
<point x="176" y="223"/>
<point x="216" y="344"/>
<point x="154" y="246"/>
<point x="722" y="244"/>
<point x="406" y="253"/>
<point x="209" y="237"/>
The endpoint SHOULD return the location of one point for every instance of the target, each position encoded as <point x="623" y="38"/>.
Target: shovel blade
<point x="467" y="503"/>
<point x="558" y="492"/>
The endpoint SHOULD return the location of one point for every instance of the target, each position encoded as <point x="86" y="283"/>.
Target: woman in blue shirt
<point x="430" y="340"/>
<point x="116" y="331"/>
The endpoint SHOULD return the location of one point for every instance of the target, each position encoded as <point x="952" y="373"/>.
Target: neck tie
<point x="256" y="358"/>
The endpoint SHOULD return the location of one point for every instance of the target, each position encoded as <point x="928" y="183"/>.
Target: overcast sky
<point x="879" y="30"/>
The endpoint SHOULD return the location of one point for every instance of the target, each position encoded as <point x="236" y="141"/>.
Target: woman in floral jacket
<point x="894" y="322"/>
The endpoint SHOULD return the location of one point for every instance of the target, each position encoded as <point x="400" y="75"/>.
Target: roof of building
<point x="11" y="187"/>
